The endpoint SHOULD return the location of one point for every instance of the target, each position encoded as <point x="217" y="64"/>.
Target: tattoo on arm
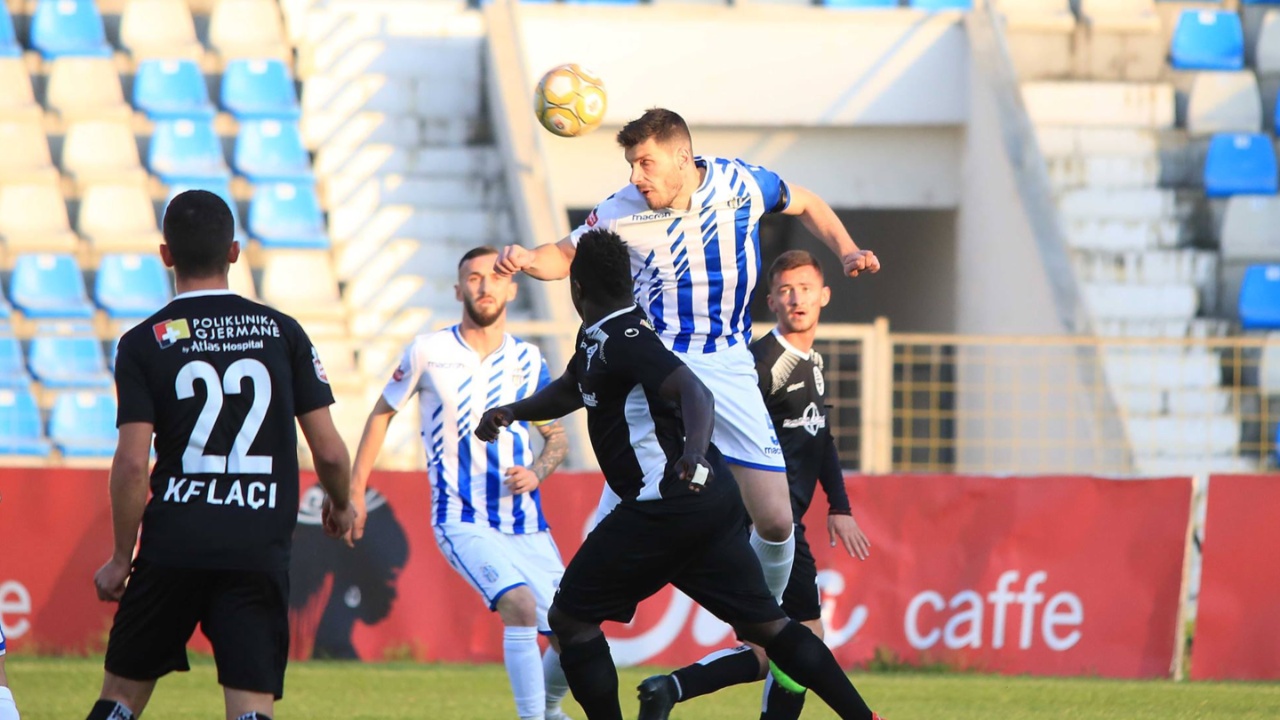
<point x="553" y="452"/>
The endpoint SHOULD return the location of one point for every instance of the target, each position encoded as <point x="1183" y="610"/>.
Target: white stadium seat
<point x="1224" y="102"/>
<point x="86" y="88"/>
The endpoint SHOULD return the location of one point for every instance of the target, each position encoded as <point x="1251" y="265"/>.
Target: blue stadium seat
<point x="186" y="151"/>
<point x="6" y="310"/>
<point x="13" y="367"/>
<point x="1207" y="40"/>
<point x="1260" y="298"/>
<point x="83" y="424"/>
<point x="9" y="46"/>
<point x="845" y="4"/>
<point x="131" y="285"/>
<point x="111" y="354"/>
<point x="171" y="89"/>
<point x="271" y="151"/>
<point x="68" y="361"/>
<point x="61" y="28"/>
<point x="49" y="286"/>
<point x="259" y="89"/>
<point x="21" y="432"/>
<point x="218" y="186"/>
<point x="942" y="4"/>
<point x="287" y="216"/>
<point x="1240" y="164"/>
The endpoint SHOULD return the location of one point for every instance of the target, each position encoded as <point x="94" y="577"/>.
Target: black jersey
<point x="638" y="436"/>
<point x="221" y="379"/>
<point x="795" y="394"/>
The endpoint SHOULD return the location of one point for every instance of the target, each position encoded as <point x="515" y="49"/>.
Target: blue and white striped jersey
<point x="1" y="640"/>
<point x="695" y="269"/>
<point x="455" y="386"/>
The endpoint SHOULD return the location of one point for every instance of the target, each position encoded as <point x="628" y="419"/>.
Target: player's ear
<point x="233" y="252"/>
<point x="824" y="296"/>
<point x="773" y="306"/>
<point x="165" y="255"/>
<point x="457" y="292"/>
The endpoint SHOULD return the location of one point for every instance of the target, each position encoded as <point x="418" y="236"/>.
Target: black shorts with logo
<point x="244" y="613"/>
<point x="800" y="601"/>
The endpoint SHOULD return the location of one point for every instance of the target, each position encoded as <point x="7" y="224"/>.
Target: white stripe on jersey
<point x="454" y="387"/>
<point x="649" y="454"/>
<point x="695" y="270"/>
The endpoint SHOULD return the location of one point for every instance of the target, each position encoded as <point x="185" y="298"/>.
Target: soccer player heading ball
<point x="690" y="225"/>
<point x="680" y="518"/>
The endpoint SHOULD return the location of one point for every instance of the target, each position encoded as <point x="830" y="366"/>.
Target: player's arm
<point x="371" y="441"/>
<point x="128" y="485"/>
<point x="555" y="447"/>
<point x="557" y="399"/>
<point x="545" y="262"/>
<point x="842" y="529"/>
<point x="329" y="454"/>
<point x="818" y="218"/>
<point x="697" y="408"/>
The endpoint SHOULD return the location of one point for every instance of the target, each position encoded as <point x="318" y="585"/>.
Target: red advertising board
<point x="1237" y="634"/>
<point x="1055" y="576"/>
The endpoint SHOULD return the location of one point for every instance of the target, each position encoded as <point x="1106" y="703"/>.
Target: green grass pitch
<point x="64" y="689"/>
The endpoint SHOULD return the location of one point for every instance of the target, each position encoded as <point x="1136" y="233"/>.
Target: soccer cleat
<point x="784" y="681"/>
<point x="876" y="716"/>
<point x="657" y="697"/>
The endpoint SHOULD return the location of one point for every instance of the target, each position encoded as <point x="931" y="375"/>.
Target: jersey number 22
<point x="194" y="461"/>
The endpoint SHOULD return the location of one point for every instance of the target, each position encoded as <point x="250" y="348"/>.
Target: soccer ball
<point x="570" y="101"/>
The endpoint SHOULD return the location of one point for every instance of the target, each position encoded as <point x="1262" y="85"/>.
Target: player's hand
<point x="337" y="521"/>
<point x="844" y="529"/>
<point x="521" y="479"/>
<point x="694" y="469"/>
<point x="357" y="527"/>
<point x="492" y="422"/>
<point x="512" y="259"/>
<point x="860" y="261"/>
<point x="110" y="579"/>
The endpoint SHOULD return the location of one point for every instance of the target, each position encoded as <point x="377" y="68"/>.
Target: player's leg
<point x="247" y="623"/>
<point x="484" y="558"/>
<point x="779" y="703"/>
<point x="556" y="684"/>
<point x="588" y="665"/>
<point x="8" y="707"/>
<point x="802" y="603"/>
<point x="156" y="617"/>
<point x="537" y="558"/>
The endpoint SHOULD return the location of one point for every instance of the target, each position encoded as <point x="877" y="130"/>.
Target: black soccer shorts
<point x="699" y="546"/>
<point x="245" y="615"/>
<point x="800" y="601"/>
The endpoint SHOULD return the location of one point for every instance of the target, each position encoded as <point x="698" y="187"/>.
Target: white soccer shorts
<point x="494" y="562"/>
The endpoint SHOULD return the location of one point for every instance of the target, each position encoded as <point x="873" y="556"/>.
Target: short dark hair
<point x="790" y="260"/>
<point x="602" y="266"/>
<point x="476" y="252"/>
<point x="658" y="124"/>
<point x="199" y="230"/>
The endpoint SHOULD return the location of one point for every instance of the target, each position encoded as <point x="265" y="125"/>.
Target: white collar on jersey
<point x="698" y="160"/>
<point x="609" y="317"/>
<point x="792" y="348"/>
<point x="202" y="293"/>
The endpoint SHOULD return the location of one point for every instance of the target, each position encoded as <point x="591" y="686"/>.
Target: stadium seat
<point x="1260" y="298"/>
<point x="1248" y="232"/>
<point x="26" y="153"/>
<point x="102" y="151"/>
<point x="287" y="215"/>
<point x="21" y="432"/>
<point x="9" y="46"/>
<point x="185" y="151"/>
<point x="159" y="29"/>
<point x="64" y="361"/>
<point x="1240" y="164"/>
<point x="49" y="286"/>
<point x="861" y="3"/>
<point x="6" y="311"/>
<point x="256" y="89"/>
<point x="1207" y="40"/>
<point x="942" y="4"/>
<point x="33" y="218"/>
<point x="13" y="367"/>
<point x="171" y="89"/>
<point x="247" y="28"/>
<point x="119" y="218"/>
<point x="1267" y="50"/>
<point x="83" y="424"/>
<point x="61" y="28"/>
<point x="240" y="279"/>
<point x="16" y="99"/>
<point x="272" y="151"/>
<point x="316" y="302"/>
<point x="218" y="186"/>
<point x="86" y="88"/>
<point x="1224" y="102"/>
<point x="131" y="285"/>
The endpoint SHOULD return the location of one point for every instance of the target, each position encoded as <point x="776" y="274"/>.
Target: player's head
<point x="659" y="150"/>
<point x="600" y="273"/>
<point x="199" y="236"/>
<point x="484" y="294"/>
<point x="797" y="292"/>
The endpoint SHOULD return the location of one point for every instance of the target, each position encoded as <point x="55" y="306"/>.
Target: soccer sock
<point x="524" y="669"/>
<point x="553" y="676"/>
<point x="592" y="677"/>
<point x="780" y="703"/>
<point x="718" y="670"/>
<point x="776" y="559"/>
<point x="109" y="710"/>
<point x="8" y="709"/>
<point x="254" y="716"/>
<point x="803" y="657"/>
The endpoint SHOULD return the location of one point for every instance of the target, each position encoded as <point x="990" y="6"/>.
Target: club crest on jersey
<point x="817" y="379"/>
<point x="593" y="218"/>
<point x="169" y="332"/>
<point x="811" y="420"/>
<point x="315" y="362"/>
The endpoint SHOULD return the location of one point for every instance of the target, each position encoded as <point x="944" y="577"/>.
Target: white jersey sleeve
<point x="407" y="376"/>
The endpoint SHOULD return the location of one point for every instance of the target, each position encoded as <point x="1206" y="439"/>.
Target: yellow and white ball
<point x="570" y="101"/>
